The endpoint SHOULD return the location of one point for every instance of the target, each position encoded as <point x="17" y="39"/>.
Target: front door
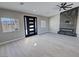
<point x="30" y="25"/>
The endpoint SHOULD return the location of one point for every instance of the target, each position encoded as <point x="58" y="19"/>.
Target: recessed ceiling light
<point x="21" y="3"/>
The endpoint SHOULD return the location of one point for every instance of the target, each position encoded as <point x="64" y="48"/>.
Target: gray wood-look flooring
<point x="45" y="45"/>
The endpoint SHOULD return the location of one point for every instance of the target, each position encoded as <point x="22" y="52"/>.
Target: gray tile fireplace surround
<point x="68" y="22"/>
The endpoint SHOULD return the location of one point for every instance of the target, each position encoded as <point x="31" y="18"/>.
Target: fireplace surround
<point x="68" y="21"/>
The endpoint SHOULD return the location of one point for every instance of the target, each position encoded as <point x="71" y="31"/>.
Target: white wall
<point x="54" y="23"/>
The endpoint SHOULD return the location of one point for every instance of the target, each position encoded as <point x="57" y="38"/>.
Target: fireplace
<point x="68" y="21"/>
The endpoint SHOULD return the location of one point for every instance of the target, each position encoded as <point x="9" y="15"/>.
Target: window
<point x="9" y="24"/>
<point x="43" y="24"/>
<point x="31" y="29"/>
<point x="30" y="18"/>
<point x="31" y="26"/>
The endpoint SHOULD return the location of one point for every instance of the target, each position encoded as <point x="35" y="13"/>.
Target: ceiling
<point x="39" y="8"/>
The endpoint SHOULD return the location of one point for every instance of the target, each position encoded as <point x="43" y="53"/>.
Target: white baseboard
<point x="11" y="40"/>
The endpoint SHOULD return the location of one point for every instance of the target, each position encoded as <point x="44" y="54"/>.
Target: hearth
<point x="67" y="31"/>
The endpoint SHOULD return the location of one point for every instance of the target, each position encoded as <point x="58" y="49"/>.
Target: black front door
<point x="30" y="25"/>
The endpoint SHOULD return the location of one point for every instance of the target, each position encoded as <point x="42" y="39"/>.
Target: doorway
<point x="30" y="25"/>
